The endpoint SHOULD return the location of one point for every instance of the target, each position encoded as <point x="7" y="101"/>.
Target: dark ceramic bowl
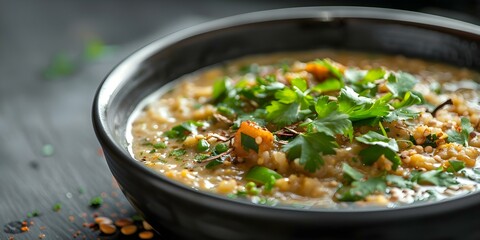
<point x="177" y="211"/>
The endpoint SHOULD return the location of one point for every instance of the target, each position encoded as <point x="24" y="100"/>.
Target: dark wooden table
<point x="49" y="155"/>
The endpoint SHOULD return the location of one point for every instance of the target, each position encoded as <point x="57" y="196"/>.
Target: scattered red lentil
<point x="100" y="152"/>
<point x="129" y="230"/>
<point x="146" y="235"/>
<point x="100" y="220"/>
<point x="108" y="228"/>
<point x="41" y="236"/>
<point x="71" y="218"/>
<point x="122" y="222"/>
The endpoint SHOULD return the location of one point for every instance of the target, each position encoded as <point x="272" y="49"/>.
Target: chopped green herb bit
<point x="358" y="107"/>
<point x="214" y="163"/>
<point x="96" y="202"/>
<point x="160" y="145"/>
<point x="434" y="177"/>
<point x="328" y="85"/>
<point x="398" y="181"/>
<point x="462" y="136"/>
<point x="61" y="66"/>
<point x="200" y="157"/>
<point x="400" y="83"/>
<point x="47" y="150"/>
<point x="455" y="166"/>
<point x="248" y="143"/>
<point x="292" y="105"/>
<point x="350" y="174"/>
<point x="202" y="145"/>
<point x="220" y="88"/>
<point x="361" y="189"/>
<point x="183" y="130"/>
<point x="57" y="207"/>
<point x="373" y="138"/>
<point x="380" y="145"/>
<point x="401" y="115"/>
<point x="371" y="154"/>
<point x="177" y="153"/>
<point x="95" y="49"/>
<point x="35" y="213"/>
<point x="153" y="150"/>
<point x="309" y="148"/>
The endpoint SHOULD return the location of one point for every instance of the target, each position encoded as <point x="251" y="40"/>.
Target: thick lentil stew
<point x="319" y="129"/>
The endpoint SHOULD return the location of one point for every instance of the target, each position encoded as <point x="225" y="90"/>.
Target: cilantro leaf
<point x="455" y="166"/>
<point x="400" y="83"/>
<point x="380" y="145"/>
<point x="408" y="100"/>
<point x="328" y="85"/>
<point x="323" y="107"/>
<point x="435" y="177"/>
<point x="220" y="88"/>
<point x="401" y="114"/>
<point x="309" y="148"/>
<point x="374" y="74"/>
<point x="358" y="107"/>
<point x="334" y="123"/>
<point x="258" y="116"/>
<point x="183" y="130"/>
<point x="351" y="174"/>
<point x="214" y="163"/>
<point x="371" y="154"/>
<point x="330" y="65"/>
<point x="464" y="134"/>
<point x="361" y="189"/>
<point x="373" y="138"/>
<point x="398" y="181"/>
<point x="292" y="105"/>
<point x="284" y="114"/>
<point x="300" y="83"/>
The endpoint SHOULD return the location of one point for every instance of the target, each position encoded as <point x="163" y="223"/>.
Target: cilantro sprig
<point x="379" y="145"/>
<point x="462" y="136"/>
<point x="317" y="118"/>
<point x="309" y="148"/>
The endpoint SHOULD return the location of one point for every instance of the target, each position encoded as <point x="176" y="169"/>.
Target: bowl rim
<point x="123" y="70"/>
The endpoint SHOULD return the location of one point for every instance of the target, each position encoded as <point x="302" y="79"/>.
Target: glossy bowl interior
<point x="178" y="211"/>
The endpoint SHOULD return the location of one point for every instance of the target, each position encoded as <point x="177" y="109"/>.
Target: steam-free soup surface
<point x="317" y="129"/>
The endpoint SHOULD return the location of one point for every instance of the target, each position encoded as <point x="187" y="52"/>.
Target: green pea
<point x="220" y="148"/>
<point x="202" y="145"/>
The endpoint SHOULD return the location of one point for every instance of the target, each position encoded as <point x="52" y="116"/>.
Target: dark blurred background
<point x="53" y="56"/>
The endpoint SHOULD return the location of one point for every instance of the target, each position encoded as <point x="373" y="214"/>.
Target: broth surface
<point x="317" y="129"/>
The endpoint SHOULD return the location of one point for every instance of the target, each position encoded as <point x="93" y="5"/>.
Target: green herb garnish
<point x="177" y="153"/>
<point x="248" y="143"/>
<point x="463" y="135"/>
<point x="434" y="177"/>
<point x="96" y="202"/>
<point x="379" y="145"/>
<point x="309" y="148"/>
<point x="57" y="207"/>
<point x="361" y="189"/>
<point x="455" y="166"/>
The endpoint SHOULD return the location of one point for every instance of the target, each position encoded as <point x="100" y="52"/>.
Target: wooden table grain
<point x="48" y="151"/>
